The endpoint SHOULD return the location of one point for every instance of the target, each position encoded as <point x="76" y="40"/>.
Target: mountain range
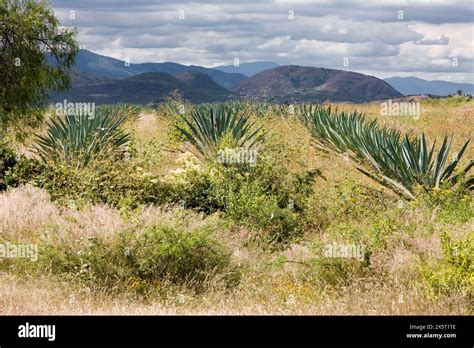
<point x="104" y="79"/>
<point x="413" y="85"/>
<point x="92" y="63"/>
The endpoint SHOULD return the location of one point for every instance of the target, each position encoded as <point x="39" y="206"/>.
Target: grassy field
<point x="168" y="234"/>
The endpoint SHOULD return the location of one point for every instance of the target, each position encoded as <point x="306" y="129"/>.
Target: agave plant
<point x="385" y="155"/>
<point x="209" y="125"/>
<point x="77" y="140"/>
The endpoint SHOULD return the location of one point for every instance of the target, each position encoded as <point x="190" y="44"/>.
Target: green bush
<point x="250" y="202"/>
<point x="113" y="183"/>
<point x="179" y="255"/>
<point x="452" y="206"/>
<point x="7" y="161"/>
<point x="347" y="199"/>
<point x="450" y="101"/>
<point x="454" y="272"/>
<point x="145" y="261"/>
<point x="266" y="197"/>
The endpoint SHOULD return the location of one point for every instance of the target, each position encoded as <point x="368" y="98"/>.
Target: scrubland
<point x="163" y="231"/>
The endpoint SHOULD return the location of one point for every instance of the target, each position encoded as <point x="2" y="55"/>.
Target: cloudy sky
<point x="431" y="39"/>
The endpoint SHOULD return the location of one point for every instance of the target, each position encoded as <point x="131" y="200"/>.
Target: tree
<point x="36" y="54"/>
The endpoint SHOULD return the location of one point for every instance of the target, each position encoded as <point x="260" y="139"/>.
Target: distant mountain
<point x="92" y="63"/>
<point x="413" y="85"/>
<point x="247" y="69"/>
<point x="305" y="84"/>
<point x="151" y="87"/>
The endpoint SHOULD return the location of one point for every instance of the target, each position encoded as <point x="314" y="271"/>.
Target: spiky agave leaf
<point x="209" y="124"/>
<point x="399" y="163"/>
<point x="77" y="139"/>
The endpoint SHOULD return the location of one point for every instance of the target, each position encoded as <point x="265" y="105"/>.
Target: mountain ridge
<point x="248" y="69"/>
<point x="413" y="86"/>
<point x="96" y="64"/>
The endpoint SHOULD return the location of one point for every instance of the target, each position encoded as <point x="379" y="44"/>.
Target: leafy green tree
<point x="36" y="54"/>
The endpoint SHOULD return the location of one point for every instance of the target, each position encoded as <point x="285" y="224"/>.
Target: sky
<point x="430" y="39"/>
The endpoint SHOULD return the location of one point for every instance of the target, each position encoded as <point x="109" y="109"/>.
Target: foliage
<point x="451" y="206"/>
<point x="267" y="197"/>
<point x="455" y="271"/>
<point x="209" y="124"/>
<point x="179" y="255"/>
<point x="7" y="161"/>
<point x="451" y="101"/>
<point x="35" y="56"/>
<point x="76" y="140"/>
<point x="143" y="261"/>
<point x="395" y="161"/>
<point x="109" y="182"/>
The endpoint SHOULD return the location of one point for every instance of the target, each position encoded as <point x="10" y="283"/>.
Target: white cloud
<point x="369" y="33"/>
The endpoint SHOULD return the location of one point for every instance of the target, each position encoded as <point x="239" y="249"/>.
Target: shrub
<point x="334" y="271"/>
<point x="128" y="111"/>
<point x="345" y="200"/>
<point x="453" y="206"/>
<point x="266" y="197"/>
<point x="179" y="255"/>
<point x="144" y="261"/>
<point x="251" y="207"/>
<point x="7" y="161"/>
<point x="113" y="183"/>
<point x="454" y="272"/>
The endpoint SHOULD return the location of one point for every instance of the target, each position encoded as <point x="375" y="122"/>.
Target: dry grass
<point x="48" y="295"/>
<point x="265" y="289"/>
<point x="25" y="211"/>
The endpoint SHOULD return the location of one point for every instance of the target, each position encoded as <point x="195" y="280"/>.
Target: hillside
<point x="413" y="85"/>
<point x="307" y="84"/>
<point x="148" y="88"/>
